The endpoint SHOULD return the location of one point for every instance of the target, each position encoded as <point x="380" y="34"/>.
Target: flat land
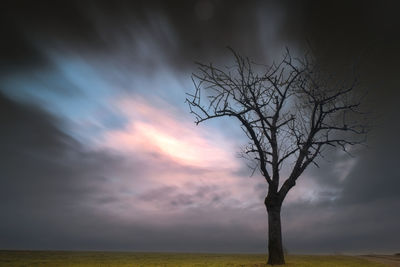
<point x="388" y="260"/>
<point x="124" y="259"/>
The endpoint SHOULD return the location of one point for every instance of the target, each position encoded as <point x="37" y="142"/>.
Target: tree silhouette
<point x="290" y="111"/>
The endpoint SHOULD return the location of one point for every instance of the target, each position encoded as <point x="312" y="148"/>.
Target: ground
<point x="388" y="260"/>
<point x="125" y="259"/>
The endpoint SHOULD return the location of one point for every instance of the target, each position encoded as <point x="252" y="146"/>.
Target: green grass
<point x="124" y="259"/>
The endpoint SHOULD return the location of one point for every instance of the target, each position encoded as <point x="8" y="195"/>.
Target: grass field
<point x="124" y="259"/>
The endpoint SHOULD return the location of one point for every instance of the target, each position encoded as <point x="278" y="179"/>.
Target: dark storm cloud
<point x="183" y="31"/>
<point x="200" y="30"/>
<point x="368" y="227"/>
<point x="342" y="32"/>
<point x="358" y="212"/>
<point x="376" y="176"/>
<point x="362" y="216"/>
<point x="23" y="20"/>
<point x="48" y="178"/>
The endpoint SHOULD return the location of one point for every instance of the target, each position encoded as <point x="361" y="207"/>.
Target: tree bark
<point x="275" y="248"/>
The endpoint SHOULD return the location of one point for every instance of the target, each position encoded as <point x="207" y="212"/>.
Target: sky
<point x="98" y="150"/>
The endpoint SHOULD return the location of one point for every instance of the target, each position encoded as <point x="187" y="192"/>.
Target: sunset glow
<point x="158" y="130"/>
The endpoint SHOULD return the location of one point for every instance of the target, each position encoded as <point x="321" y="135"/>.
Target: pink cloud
<point x="174" y="167"/>
<point x="161" y="129"/>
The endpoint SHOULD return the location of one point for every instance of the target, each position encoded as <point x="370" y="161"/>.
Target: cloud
<point x="47" y="177"/>
<point x="177" y="33"/>
<point x="144" y="177"/>
<point x="158" y="128"/>
<point x="69" y="197"/>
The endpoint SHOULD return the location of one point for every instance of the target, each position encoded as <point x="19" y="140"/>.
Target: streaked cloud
<point x="99" y="151"/>
<point x="156" y="127"/>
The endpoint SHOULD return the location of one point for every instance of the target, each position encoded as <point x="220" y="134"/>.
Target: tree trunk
<point x="275" y="249"/>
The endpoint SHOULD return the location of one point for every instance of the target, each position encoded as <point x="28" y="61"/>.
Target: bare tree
<point x="290" y="111"/>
